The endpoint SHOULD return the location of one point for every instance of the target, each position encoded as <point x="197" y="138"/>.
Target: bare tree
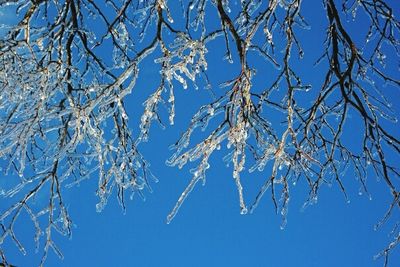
<point x="63" y="120"/>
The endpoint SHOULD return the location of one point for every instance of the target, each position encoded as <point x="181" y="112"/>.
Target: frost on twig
<point x="67" y="67"/>
<point x="184" y="59"/>
<point x="62" y="116"/>
<point x="312" y="145"/>
<point x="239" y="121"/>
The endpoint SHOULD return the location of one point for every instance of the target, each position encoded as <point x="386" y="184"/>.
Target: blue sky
<point x="209" y="230"/>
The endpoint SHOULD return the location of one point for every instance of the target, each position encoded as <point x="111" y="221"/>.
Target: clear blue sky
<point x="208" y="230"/>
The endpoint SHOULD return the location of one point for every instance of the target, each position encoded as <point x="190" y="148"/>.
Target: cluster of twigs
<point x="63" y="120"/>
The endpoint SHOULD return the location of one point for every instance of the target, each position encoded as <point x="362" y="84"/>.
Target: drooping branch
<point x="62" y="100"/>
